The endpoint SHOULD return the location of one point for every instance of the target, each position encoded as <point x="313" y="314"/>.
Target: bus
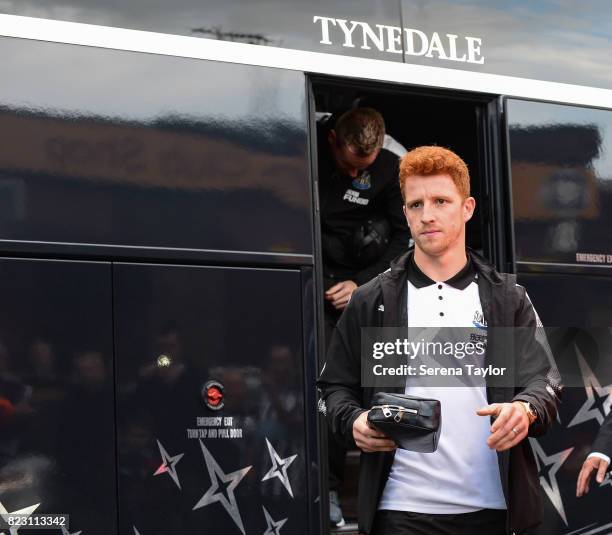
<point x="161" y="319"/>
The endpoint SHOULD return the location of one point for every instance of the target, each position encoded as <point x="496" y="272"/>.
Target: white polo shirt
<point x="462" y="475"/>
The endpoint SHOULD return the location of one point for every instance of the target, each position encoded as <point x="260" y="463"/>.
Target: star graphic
<point x="273" y="528"/>
<point x="168" y="465"/>
<point x="66" y="532"/>
<point x="607" y="480"/>
<point x="548" y="466"/>
<point x="545" y="472"/>
<point x="136" y="532"/>
<point x="219" y="491"/>
<point x="599" y="400"/>
<point x="279" y="468"/>
<point x="25" y="513"/>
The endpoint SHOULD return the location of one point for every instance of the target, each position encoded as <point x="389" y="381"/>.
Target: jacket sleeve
<point x="603" y="441"/>
<point x="399" y="237"/>
<point x="538" y="379"/>
<point x="340" y="378"/>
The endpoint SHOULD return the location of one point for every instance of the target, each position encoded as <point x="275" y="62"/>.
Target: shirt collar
<point x="461" y="280"/>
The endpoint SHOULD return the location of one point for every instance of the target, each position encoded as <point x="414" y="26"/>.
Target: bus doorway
<point x="468" y="124"/>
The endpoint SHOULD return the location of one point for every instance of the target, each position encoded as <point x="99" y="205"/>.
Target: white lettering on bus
<point x="449" y="47"/>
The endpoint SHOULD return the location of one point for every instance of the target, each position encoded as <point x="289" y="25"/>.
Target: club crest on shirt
<point x="479" y="320"/>
<point x="362" y="182"/>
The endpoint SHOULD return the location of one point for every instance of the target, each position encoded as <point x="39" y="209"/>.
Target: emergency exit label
<point x="214" y="427"/>
<point x="594" y="258"/>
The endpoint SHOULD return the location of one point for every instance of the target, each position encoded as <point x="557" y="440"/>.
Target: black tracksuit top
<point x="505" y="304"/>
<point x="346" y="203"/>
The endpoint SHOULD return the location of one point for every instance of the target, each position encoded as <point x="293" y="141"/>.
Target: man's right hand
<point x="590" y="465"/>
<point x="370" y="439"/>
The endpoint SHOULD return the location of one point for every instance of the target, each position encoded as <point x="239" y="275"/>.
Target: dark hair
<point x="362" y="129"/>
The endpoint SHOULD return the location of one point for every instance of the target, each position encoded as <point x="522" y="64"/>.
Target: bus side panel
<point x="211" y="399"/>
<point x="562" y="201"/>
<point x="578" y="308"/>
<point x="57" y="427"/>
<point x="129" y="149"/>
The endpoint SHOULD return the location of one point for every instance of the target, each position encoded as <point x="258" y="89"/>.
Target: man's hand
<point x="584" y="477"/>
<point x="510" y="426"/>
<point x="339" y="294"/>
<point x="368" y="438"/>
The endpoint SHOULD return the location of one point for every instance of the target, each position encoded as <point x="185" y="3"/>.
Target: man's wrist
<point x="529" y="411"/>
<point x="599" y="455"/>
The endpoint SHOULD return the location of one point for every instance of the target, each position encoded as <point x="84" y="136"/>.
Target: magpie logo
<point x="362" y="182"/>
<point x="479" y="321"/>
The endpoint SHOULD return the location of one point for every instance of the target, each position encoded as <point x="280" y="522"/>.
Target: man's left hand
<point x="511" y="424"/>
<point x="339" y="294"/>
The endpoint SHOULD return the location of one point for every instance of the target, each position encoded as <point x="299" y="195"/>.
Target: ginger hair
<point x="433" y="160"/>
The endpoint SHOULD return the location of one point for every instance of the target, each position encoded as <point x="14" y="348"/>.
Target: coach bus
<point x="161" y="318"/>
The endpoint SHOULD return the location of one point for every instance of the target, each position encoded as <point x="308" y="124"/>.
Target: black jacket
<point x="603" y="440"/>
<point x="504" y="304"/>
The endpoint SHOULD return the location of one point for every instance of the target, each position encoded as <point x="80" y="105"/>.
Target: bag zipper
<point x="387" y="411"/>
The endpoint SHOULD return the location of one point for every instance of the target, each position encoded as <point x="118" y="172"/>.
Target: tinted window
<point x="561" y="164"/>
<point x="149" y="150"/>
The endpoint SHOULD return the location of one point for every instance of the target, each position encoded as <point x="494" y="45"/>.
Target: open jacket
<point x="504" y="304"/>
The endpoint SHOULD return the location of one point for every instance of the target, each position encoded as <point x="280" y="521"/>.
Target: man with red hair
<point x="482" y="478"/>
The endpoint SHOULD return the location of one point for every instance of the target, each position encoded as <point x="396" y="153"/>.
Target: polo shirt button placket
<point x="440" y="298"/>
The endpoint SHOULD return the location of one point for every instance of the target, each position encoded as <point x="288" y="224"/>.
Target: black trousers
<point x="483" y="522"/>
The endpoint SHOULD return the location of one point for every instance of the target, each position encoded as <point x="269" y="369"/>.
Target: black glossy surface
<point x="561" y="165"/>
<point x="151" y="151"/>
<point x="578" y="306"/>
<point x="547" y="40"/>
<point x="242" y="327"/>
<point x="57" y="430"/>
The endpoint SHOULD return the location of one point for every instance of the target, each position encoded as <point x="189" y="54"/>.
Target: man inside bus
<point x="482" y="479"/>
<point x="362" y="225"/>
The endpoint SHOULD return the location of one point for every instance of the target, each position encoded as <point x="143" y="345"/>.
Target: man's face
<point x="346" y="160"/>
<point x="436" y="213"/>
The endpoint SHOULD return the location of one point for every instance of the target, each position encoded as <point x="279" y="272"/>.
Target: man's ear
<point x="332" y="137"/>
<point x="469" y="205"/>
